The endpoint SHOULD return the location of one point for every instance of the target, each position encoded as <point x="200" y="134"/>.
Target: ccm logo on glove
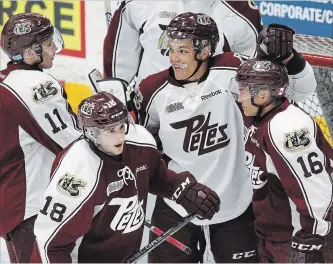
<point x="181" y="188"/>
<point x="305" y="247"/>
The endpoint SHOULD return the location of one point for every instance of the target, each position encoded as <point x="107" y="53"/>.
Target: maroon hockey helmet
<point x="101" y="110"/>
<point x="261" y="74"/>
<point x="26" y="29"/>
<point x="198" y="27"/>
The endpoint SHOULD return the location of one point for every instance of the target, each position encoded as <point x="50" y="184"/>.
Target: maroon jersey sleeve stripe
<point x="29" y="124"/>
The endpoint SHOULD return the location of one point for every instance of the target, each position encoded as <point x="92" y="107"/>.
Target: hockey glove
<point x="307" y="248"/>
<point x="275" y="42"/>
<point x="197" y="198"/>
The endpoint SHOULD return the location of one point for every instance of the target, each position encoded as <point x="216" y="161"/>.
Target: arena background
<point x="83" y="26"/>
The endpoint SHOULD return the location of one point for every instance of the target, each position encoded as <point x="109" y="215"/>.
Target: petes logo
<point x="297" y="140"/>
<point x="44" y="91"/>
<point x="263" y="66"/>
<point x="201" y="136"/>
<point x="126" y="175"/>
<point x="70" y="185"/>
<point x="22" y="28"/>
<point x="130" y="215"/>
<point x="204" y="20"/>
<point x="255" y="171"/>
<point x="87" y="108"/>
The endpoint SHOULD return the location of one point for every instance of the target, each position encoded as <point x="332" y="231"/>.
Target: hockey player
<point x="95" y="203"/>
<point x="290" y="163"/>
<point x="36" y="123"/>
<point x="201" y="130"/>
<point x="137" y="33"/>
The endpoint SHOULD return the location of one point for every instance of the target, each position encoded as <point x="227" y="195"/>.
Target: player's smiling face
<point x="182" y="58"/>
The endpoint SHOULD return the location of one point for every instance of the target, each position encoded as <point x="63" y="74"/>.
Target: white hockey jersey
<point x="199" y="127"/>
<point x="36" y="124"/>
<point x="136" y="38"/>
<point x="201" y="130"/>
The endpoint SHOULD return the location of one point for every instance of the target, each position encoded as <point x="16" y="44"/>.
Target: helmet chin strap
<point x="200" y="62"/>
<point x="39" y="53"/>
<point x="260" y="107"/>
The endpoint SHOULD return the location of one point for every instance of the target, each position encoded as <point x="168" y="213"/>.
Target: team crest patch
<point x="22" y="28"/>
<point x="70" y="185"/>
<point x="204" y="20"/>
<point x="263" y="66"/>
<point x="44" y="91"/>
<point x="87" y="108"/>
<point x="163" y="44"/>
<point x="297" y="140"/>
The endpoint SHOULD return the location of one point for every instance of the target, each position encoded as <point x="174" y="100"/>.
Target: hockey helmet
<point x="198" y="27"/>
<point x="260" y="74"/>
<point x="24" y="30"/>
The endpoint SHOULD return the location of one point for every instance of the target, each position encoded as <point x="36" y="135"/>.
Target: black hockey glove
<point x="275" y="42"/>
<point x="307" y="248"/>
<point x="197" y="198"/>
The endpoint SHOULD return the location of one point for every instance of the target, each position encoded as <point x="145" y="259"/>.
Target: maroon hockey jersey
<point x="95" y="205"/>
<point x="291" y="165"/>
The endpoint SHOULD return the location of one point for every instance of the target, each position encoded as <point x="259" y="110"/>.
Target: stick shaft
<point x="159" y="240"/>
<point x="170" y="239"/>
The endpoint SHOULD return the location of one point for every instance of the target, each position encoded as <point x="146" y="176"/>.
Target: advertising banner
<point x="67" y="16"/>
<point x="314" y="17"/>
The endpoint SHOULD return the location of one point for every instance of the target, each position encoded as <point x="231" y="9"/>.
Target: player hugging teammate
<point x="93" y="208"/>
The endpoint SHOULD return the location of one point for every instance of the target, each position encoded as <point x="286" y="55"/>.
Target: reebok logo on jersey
<point x="43" y="92"/>
<point x="201" y="136"/>
<point x="141" y="168"/>
<point x="70" y="185"/>
<point x="297" y="140"/>
<point x="210" y="95"/>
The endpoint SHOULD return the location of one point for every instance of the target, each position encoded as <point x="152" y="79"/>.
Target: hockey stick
<point x="159" y="240"/>
<point x="108" y="16"/>
<point x="170" y="239"/>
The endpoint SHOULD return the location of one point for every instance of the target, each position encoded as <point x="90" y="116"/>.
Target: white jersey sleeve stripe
<point x="150" y="102"/>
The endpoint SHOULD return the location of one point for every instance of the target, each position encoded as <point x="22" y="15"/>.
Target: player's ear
<point x="29" y="53"/>
<point x="204" y="54"/>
